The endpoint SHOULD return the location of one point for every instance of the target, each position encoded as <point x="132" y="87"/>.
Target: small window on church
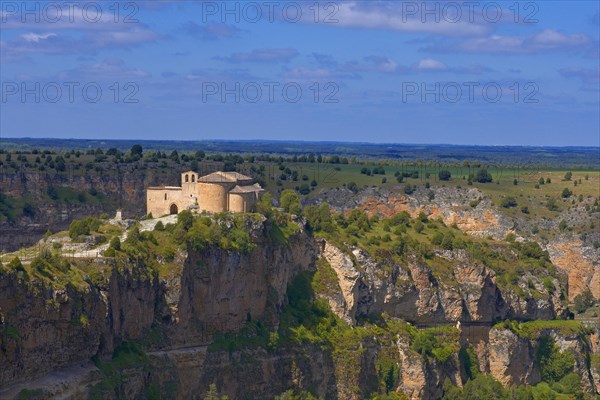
<point x="193" y="178"/>
<point x="187" y="178"/>
<point x="165" y="196"/>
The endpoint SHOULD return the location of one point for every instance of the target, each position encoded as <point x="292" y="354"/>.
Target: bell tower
<point x="188" y="183"/>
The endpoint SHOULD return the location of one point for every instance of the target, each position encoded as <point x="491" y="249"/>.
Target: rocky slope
<point x="577" y="257"/>
<point x="47" y="329"/>
<point x="412" y="292"/>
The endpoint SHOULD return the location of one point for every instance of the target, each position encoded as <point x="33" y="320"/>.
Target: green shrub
<point x="440" y="343"/>
<point x="290" y="202"/>
<point x="566" y="193"/>
<point x="418" y="226"/>
<point x="483" y="176"/>
<point x="83" y="227"/>
<point x="583" y="301"/>
<point x="444" y="175"/>
<point x="508" y="202"/>
<point x="553" y="364"/>
<point x="115" y="243"/>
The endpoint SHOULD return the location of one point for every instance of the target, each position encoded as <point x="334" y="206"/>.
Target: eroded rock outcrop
<point x="580" y="261"/>
<point x="511" y="358"/>
<point x="468" y="291"/>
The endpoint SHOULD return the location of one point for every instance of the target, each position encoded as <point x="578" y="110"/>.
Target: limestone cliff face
<point x="576" y="257"/>
<point x="450" y="204"/>
<point x="42" y="329"/>
<point x="220" y="291"/>
<point x="424" y="379"/>
<point x="45" y="328"/>
<point x="412" y="291"/>
<point x="511" y="359"/>
<point x="580" y="261"/>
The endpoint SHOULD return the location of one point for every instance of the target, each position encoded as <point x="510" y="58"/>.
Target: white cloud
<point x="431" y="64"/>
<point x="391" y="16"/>
<point x="34" y="37"/>
<point x="546" y="40"/>
<point x="262" y="55"/>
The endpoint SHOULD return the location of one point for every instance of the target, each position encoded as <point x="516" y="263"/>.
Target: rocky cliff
<point x="157" y="335"/>
<point x="474" y="213"/>
<point x="412" y="292"/>
<point x="76" y="195"/>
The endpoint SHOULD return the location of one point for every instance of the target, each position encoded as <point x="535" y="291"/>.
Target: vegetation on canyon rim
<point x="306" y="320"/>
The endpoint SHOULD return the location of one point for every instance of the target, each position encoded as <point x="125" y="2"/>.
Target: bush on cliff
<point x="440" y="343"/>
<point x="83" y="227"/>
<point x="228" y="233"/>
<point x="290" y="202"/>
<point x="554" y="364"/>
<point x="583" y="301"/>
<point x="296" y="394"/>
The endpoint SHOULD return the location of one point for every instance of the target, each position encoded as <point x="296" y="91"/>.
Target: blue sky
<point x="523" y="73"/>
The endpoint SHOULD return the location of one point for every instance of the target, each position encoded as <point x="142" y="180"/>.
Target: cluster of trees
<point x="83" y="227"/>
<point x="379" y="170"/>
<point x="444" y="175"/>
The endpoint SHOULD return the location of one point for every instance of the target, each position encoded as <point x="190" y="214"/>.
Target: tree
<point x="115" y="243"/>
<point x="136" y="149"/>
<point x="508" y="202"/>
<point x="566" y="193"/>
<point x="444" y="175"/>
<point x="15" y="263"/>
<point x="265" y="205"/>
<point x="185" y="219"/>
<point x="199" y="155"/>
<point x="419" y="226"/>
<point x="304" y="189"/>
<point x="295" y="394"/>
<point x="290" y="202"/>
<point x="483" y="386"/>
<point x="213" y="394"/>
<point x="568" y="176"/>
<point x="483" y="176"/>
<point x="583" y="301"/>
<point x="554" y="364"/>
<point x="319" y="218"/>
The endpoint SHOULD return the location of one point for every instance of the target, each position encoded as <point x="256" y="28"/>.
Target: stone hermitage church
<point x="216" y="192"/>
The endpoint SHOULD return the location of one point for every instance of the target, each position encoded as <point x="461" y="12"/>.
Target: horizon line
<point x="305" y="141"/>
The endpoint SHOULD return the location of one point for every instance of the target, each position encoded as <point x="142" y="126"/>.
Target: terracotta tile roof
<point x="247" y="189"/>
<point x="164" y="188"/>
<point x="224" y="177"/>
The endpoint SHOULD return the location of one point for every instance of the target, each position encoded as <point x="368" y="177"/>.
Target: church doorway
<point x="173" y="209"/>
